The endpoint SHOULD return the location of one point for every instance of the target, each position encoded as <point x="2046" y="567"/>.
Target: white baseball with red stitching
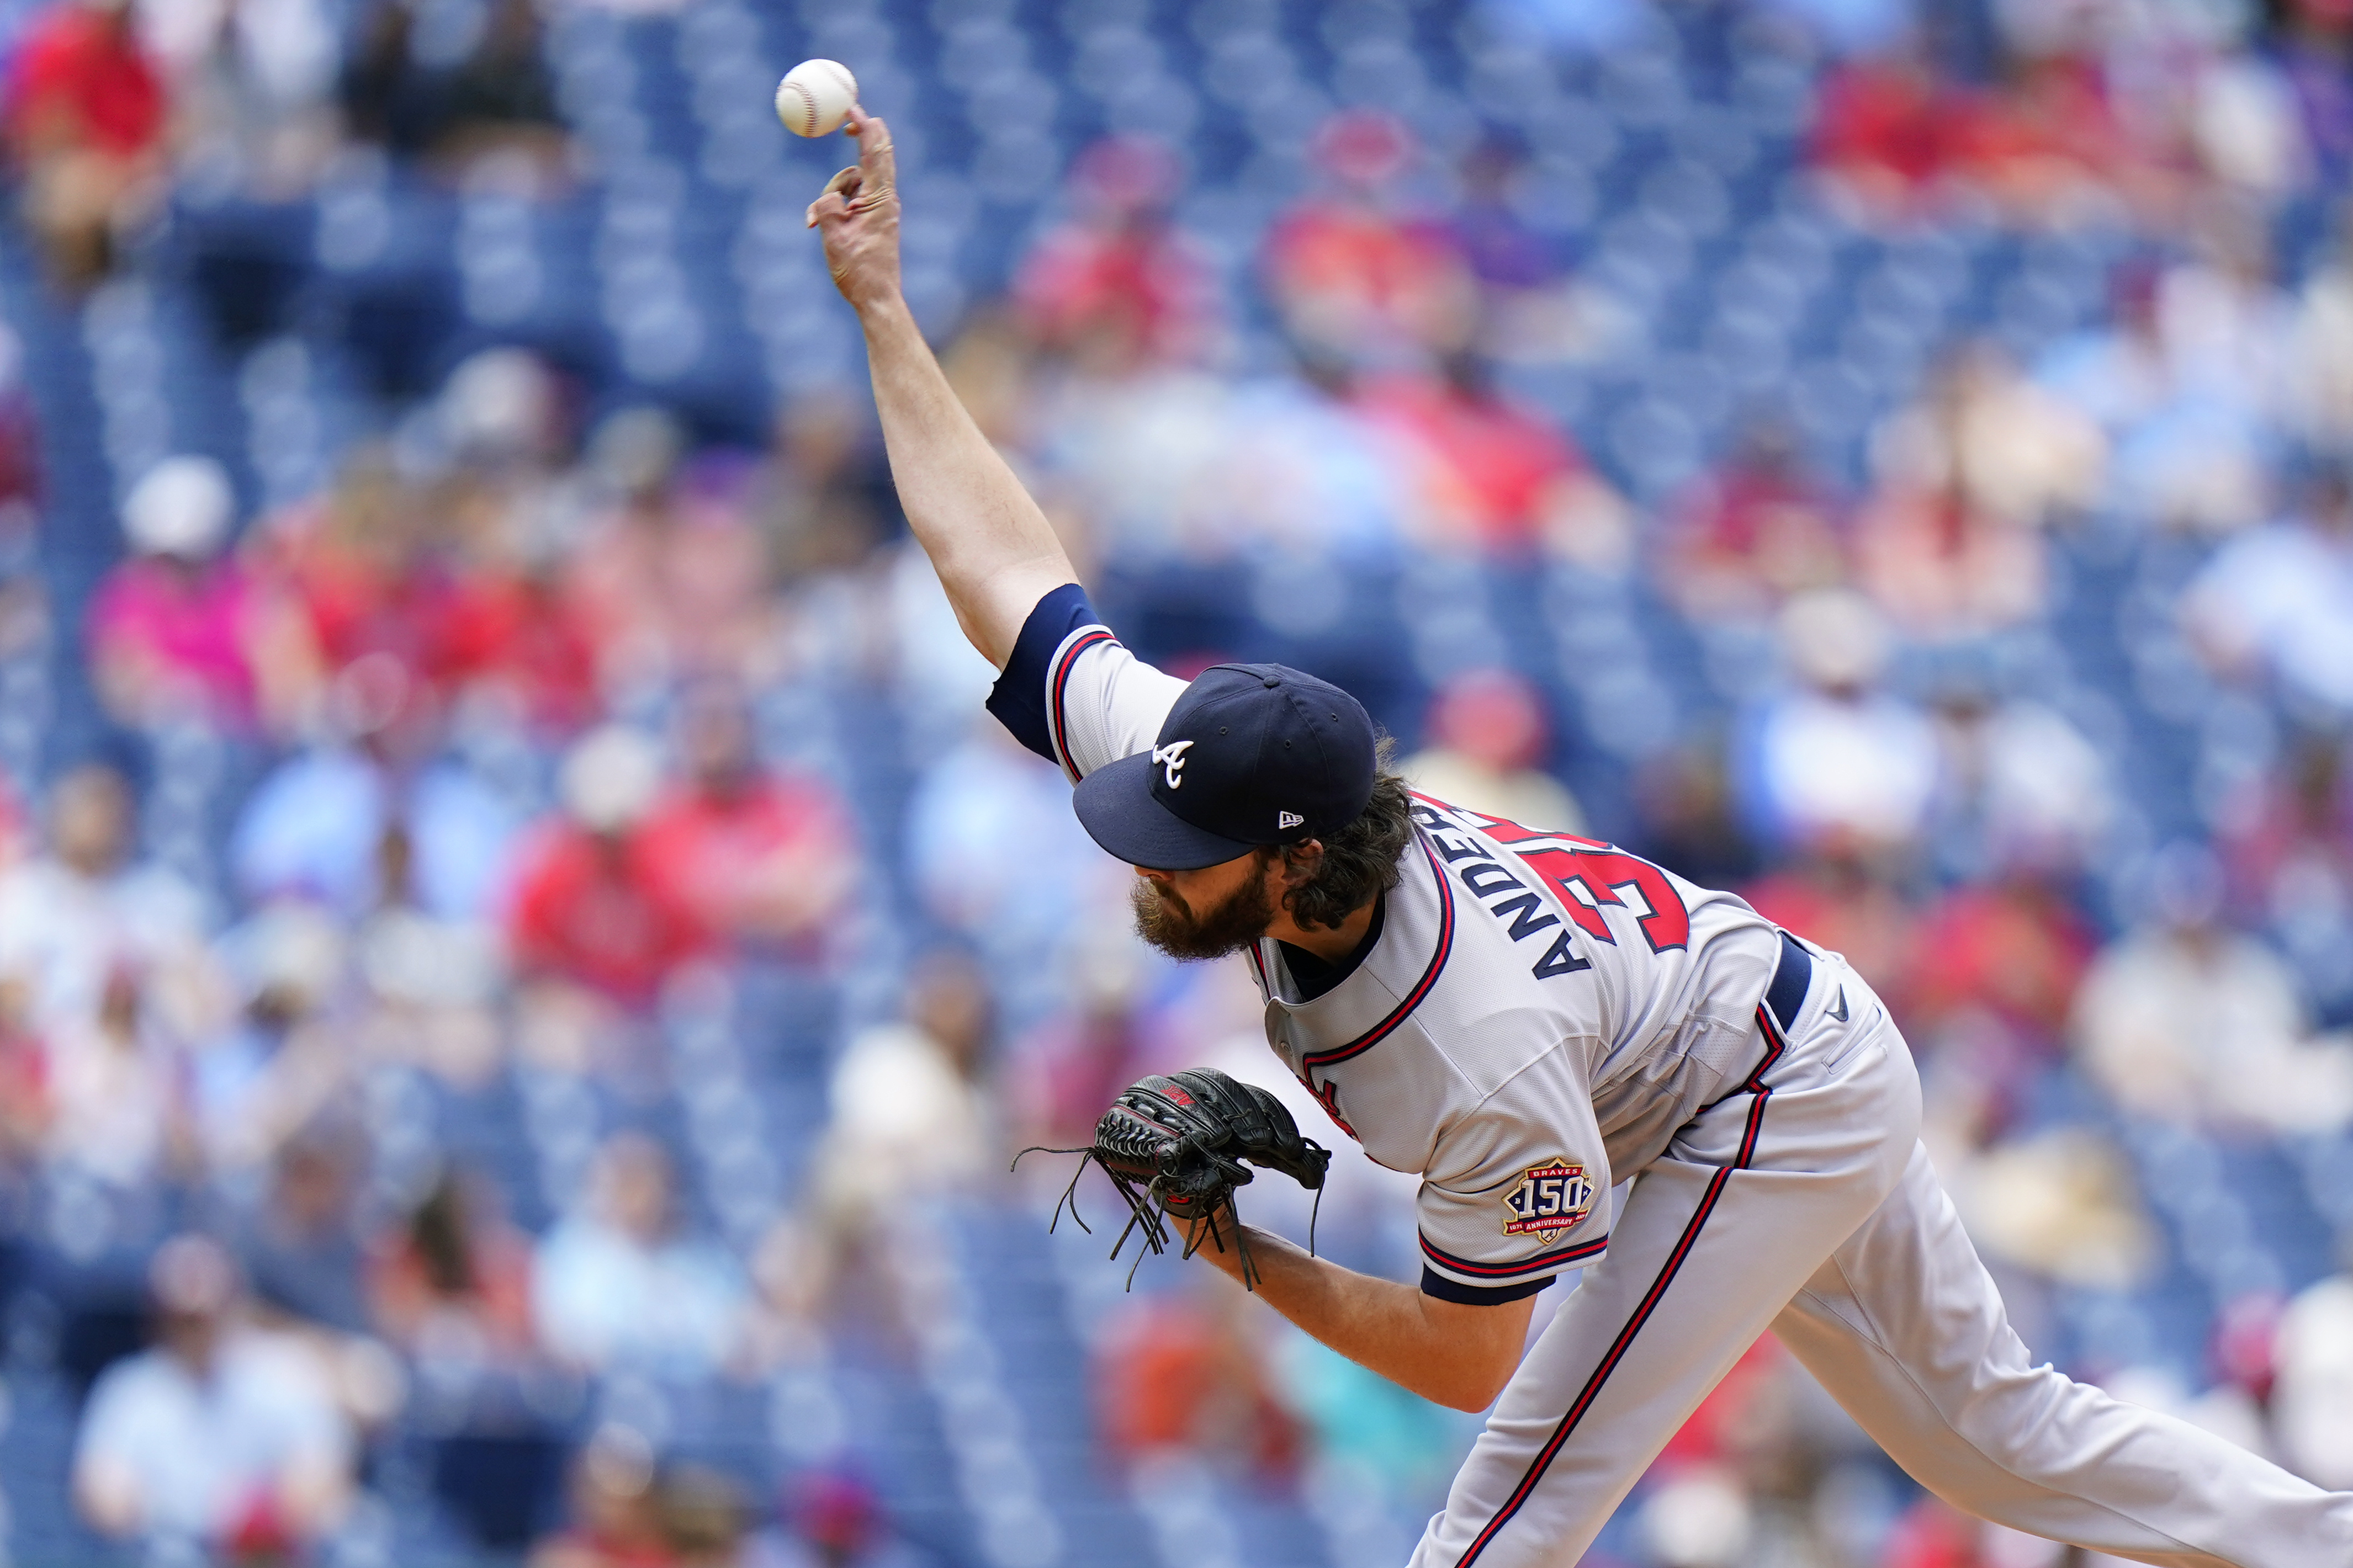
<point x="815" y="97"/>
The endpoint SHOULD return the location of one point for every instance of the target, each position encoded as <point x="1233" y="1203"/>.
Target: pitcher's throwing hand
<point x="858" y="217"/>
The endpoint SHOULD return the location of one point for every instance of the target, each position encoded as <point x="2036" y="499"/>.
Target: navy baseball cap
<point x="1251" y="754"/>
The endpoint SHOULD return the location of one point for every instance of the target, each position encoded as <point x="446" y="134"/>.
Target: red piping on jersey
<point x="1058" y="683"/>
<point x="1755" y="1085"/>
<point x="1413" y="998"/>
<point x="1575" y="1252"/>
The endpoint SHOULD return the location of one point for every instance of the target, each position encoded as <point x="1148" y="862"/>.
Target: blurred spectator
<point x="84" y="917"/>
<point x="1886" y="130"/>
<point x="430" y="982"/>
<point x="178" y="631"/>
<point x="2311" y="40"/>
<point x="1350" y="274"/>
<point x="285" y="1062"/>
<point x="2320" y="397"/>
<point x="837" y="1522"/>
<point x="1757" y="530"/>
<point x="1121" y="285"/>
<point x="763" y="858"/>
<point x="1837" y="761"/>
<point x="615" y="1511"/>
<point x="703" y="1516"/>
<point x="319" y="825"/>
<point x="1990" y="991"/>
<point x="513" y="645"/>
<point x="998" y="860"/>
<point x="2287" y="847"/>
<point x="621" y="1284"/>
<point x="1531" y="311"/>
<point x="1492" y="475"/>
<point x="1488" y="735"/>
<point x="1689" y="818"/>
<point x="1948" y="543"/>
<point x="1847" y="901"/>
<point x="2188" y="1020"/>
<point x="1354" y="1417"/>
<point x="2278" y="601"/>
<point x="2187" y="449"/>
<point x="256" y="79"/>
<point x="827" y="502"/>
<point x="2019" y="786"/>
<point x="1061" y="1075"/>
<point x="668" y="581"/>
<point x="1314" y="481"/>
<point x="2060" y="1202"/>
<point x="299" y="1250"/>
<point x="591" y="905"/>
<point x="24" y="592"/>
<point x="86" y="119"/>
<point x="355" y="562"/>
<point x="224" y="1437"/>
<point x="115" y="1107"/>
<point x="908" y="1115"/>
<point x="1178" y="1374"/>
<point x="2312" y="1397"/>
<point x="456" y="94"/>
<point x="451" y="1285"/>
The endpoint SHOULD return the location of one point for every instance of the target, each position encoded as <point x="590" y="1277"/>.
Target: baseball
<point x="815" y="97"/>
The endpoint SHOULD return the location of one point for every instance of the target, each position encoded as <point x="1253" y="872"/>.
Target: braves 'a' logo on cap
<point x="1285" y="820"/>
<point x="1171" y="757"/>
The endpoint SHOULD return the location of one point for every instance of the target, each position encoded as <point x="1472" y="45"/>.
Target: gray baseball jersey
<point x="1535" y="1016"/>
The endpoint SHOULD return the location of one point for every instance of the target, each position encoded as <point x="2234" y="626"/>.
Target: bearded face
<point x="1165" y="918"/>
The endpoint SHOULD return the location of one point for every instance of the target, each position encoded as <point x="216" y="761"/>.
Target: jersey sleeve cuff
<point x="1480" y="1280"/>
<point x="1025" y="697"/>
<point x="1433" y="1283"/>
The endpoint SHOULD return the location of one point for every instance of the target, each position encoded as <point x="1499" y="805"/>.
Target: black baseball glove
<point x="1181" y="1144"/>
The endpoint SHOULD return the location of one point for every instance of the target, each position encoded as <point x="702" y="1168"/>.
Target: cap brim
<point x="1116" y="807"/>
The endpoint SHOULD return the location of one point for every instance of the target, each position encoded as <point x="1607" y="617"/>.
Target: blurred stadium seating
<point x="935" y="1396"/>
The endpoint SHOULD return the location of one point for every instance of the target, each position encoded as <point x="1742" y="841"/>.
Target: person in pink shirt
<point x="173" y="629"/>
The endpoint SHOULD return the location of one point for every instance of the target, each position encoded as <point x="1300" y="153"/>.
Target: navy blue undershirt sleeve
<point x="1018" y="698"/>
<point x="1436" y="1284"/>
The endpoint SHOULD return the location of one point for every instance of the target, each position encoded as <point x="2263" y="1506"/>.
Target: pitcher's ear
<point x="1301" y="862"/>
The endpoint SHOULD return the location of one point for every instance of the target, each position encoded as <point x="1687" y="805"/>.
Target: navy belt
<point x="1792" y="980"/>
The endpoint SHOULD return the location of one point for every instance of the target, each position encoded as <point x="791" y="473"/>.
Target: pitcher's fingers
<point x="835" y="198"/>
<point x="874" y="153"/>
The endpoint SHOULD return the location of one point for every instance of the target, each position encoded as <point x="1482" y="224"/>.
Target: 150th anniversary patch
<point x="1548" y="1199"/>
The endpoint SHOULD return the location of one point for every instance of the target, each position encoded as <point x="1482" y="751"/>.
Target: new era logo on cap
<point x="1240" y="738"/>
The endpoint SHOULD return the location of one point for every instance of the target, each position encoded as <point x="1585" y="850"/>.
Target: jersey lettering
<point x="1520" y="908"/>
<point x="1560" y="958"/>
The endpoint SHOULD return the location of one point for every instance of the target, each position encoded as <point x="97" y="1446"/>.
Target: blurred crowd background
<point x="523" y="962"/>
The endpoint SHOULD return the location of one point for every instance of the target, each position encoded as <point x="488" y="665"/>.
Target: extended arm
<point x="994" y="552"/>
<point x="1456" y="1355"/>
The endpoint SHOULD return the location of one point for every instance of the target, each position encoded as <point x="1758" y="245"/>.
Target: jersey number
<point x="1605" y="874"/>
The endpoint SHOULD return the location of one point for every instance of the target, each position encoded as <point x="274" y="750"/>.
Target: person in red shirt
<point x="1350" y="273"/>
<point x="760" y="857"/>
<point x="84" y="117"/>
<point x="1883" y="132"/>
<point x="1121" y="285"/>
<point x="593" y="905"/>
<point x="1495" y="475"/>
<point x="1756" y="529"/>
